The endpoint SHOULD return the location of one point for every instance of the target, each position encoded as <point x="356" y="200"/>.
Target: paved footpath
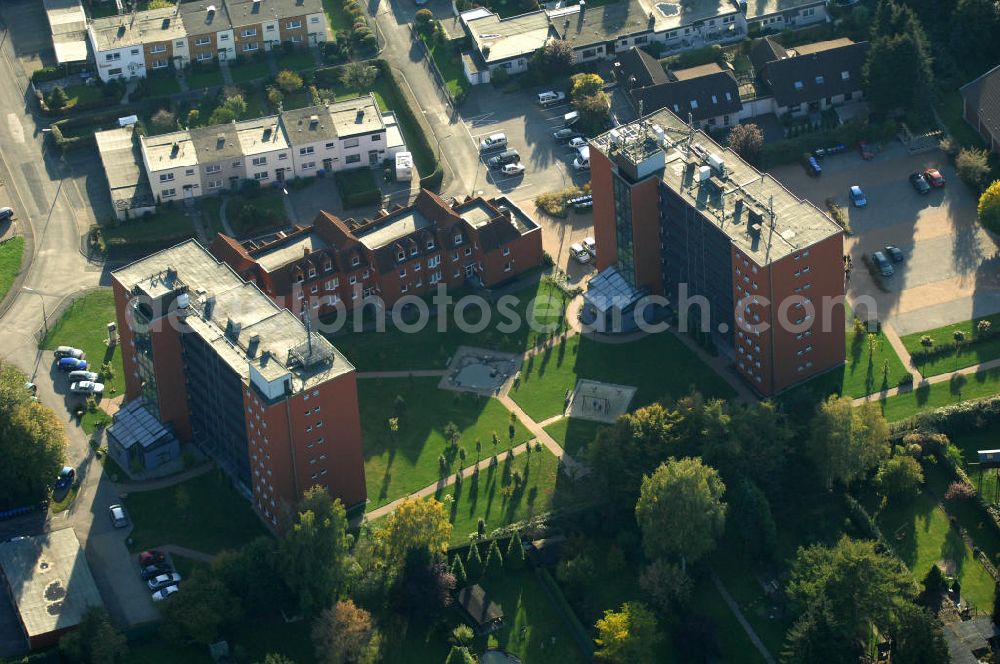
<point x="418" y="373"/>
<point x="747" y="627"/>
<point x="940" y="378"/>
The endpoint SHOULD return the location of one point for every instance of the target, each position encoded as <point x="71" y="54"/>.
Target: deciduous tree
<point x="199" y="613"/>
<point x="585" y="85"/>
<point x="415" y="524"/>
<point x="973" y="166"/>
<point x="746" y="140"/>
<point x="680" y="510"/>
<point x="666" y="585"/>
<point x="899" y="477"/>
<point x="288" y="81"/>
<point x="628" y="636"/>
<point x="989" y="208"/>
<point x="257" y="560"/>
<point x="345" y="634"/>
<point x="358" y="75"/>
<point x="846" y="442"/>
<point x="95" y="641"/>
<point x="555" y="58"/>
<point x="424" y="586"/>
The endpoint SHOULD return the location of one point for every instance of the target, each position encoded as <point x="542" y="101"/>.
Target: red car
<point x="934" y="177"/>
<point x="147" y="558"/>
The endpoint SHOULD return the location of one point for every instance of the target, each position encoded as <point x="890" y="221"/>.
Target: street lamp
<point x="45" y="318"/>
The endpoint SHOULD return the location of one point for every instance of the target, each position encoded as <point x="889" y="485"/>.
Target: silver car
<point x="69" y="351"/>
<point x="75" y="376"/>
<point x="161" y="595"/>
<point x="164" y="580"/>
<point x="118" y="517"/>
<point x="87" y="387"/>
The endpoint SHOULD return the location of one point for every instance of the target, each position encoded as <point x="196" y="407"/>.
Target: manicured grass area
<point x="483" y="497"/>
<point x="357" y="187"/>
<point x="546" y="377"/>
<point x="430" y="349"/>
<point x="299" y="99"/>
<point x="734" y="644"/>
<point x="950" y="111"/>
<point x="205" y="513"/>
<point x="65" y="500"/>
<point x="339" y="20"/>
<point x="966" y="356"/>
<point x="161" y="85"/>
<point x="256" y="637"/>
<point x="84" y="326"/>
<point x="761" y="611"/>
<point x="574" y="434"/>
<point x="257" y="214"/>
<point x="209" y="206"/>
<point x="920" y="534"/>
<point x="929" y="397"/>
<point x="186" y="566"/>
<point x="449" y="63"/>
<point x="297" y="60"/>
<point x="11" y="252"/>
<point x="82" y="94"/>
<point x="251" y="70"/>
<point x="204" y="76"/>
<point x="163" y="229"/>
<point x="401" y="462"/>
<point x="967" y="512"/>
<point x="92" y="420"/>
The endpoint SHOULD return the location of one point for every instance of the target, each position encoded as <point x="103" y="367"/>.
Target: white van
<point x="550" y="97"/>
<point x="493" y="142"/>
<point x="570" y="118"/>
<point x="582" y="161"/>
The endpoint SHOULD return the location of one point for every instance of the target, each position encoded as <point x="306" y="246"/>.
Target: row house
<point x="135" y="44"/>
<point x="300" y="143"/>
<point x="406" y="251"/>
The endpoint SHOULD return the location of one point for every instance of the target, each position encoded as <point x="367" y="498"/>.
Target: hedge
<point x="928" y="353"/>
<point x="957" y="418"/>
<point x="46" y="74"/>
<point x="423" y="151"/>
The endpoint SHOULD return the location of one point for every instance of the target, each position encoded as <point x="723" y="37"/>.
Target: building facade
<point x="981" y="107"/>
<point x="407" y="251"/>
<point x="274" y="404"/>
<point x="738" y="257"/>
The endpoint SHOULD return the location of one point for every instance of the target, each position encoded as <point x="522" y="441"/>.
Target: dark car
<point x="894" y="253"/>
<point x="919" y="183"/>
<point x="152" y="571"/>
<point x="882" y="263"/>
<point x="65" y="477"/>
<point x="812" y="166"/>
<point x="72" y="364"/>
<point x="504" y="158"/>
<point x="151" y="557"/>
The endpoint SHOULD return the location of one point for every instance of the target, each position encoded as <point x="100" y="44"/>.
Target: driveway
<point x="951" y="272"/>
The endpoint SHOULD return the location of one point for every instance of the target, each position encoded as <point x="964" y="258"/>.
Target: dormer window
<point x="819" y="80"/>
<point x="312" y="272"/>
<point x="430" y="244"/>
<point x="694" y="103"/>
<point x="414" y="250"/>
<point x="798" y="85"/>
<point x="299" y="278"/>
<point x="401" y="255"/>
<point x="458" y="239"/>
<point x="327" y="266"/>
<point x="845" y="75"/>
<point x="356" y="261"/>
<point x="715" y="100"/>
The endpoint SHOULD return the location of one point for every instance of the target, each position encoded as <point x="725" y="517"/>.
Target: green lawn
<point x="11" y="252"/>
<point x="297" y="60"/>
<point x="209" y="206"/>
<point x="162" y="85"/>
<point x="970" y="443"/>
<point x="967" y="513"/>
<point x="966" y="357"/>
<point x="163" y="229"/>
<point x="339" y="20"/>
<point x="84" y="326"/>
<point x="204" y="76"/>
<point x="483" y="497"/>
<point x="256" y="637"/>
<point x="574" y="434"/>
<point x="546" y="377"/>
<point x="950" y="111"/>
<point x="299" y="99"/>
<point x="929" y="397"/>
<point x="92" y="420"/>
<point x="734" y="644"/>
<point x="430" y="349"/>
<point x="270" y="202"/>
<point x="400" y="463"/>
<point x="82" y="94"/>
<point x="249" y="70"/>
<point x="205" y="514"/>
<point x="449" y="63"/>
<point x="920" y="534"/>
<point x="65" y="500"/>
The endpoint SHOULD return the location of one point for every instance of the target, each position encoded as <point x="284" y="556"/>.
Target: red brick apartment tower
<point x="213" y="356"/>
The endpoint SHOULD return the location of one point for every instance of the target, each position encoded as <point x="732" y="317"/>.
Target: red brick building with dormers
<point x="405" y="251"/>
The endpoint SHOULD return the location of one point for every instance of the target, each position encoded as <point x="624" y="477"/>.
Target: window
<point x="314" y="19"/>
<point x="353" y="280"/>
<point x="214" y="168"/>
<point x="433" y="262"/>
<point x="159" y="64"/>
<point x="283" y="156"/>
<point x="202" y="41"/>
<point x="314" y="289"/>
<point x="454" y="256"/>
<point x="253" y="46"/>
<point x="468" y="251"/>
<point x="401" y="255"/>
<point x="355" y="261"/>
<point x="798" y="85"/>
<point x="402" y="272"/>
<point x="158" y="48"/>
<point x="508" y="266"/>
<point x="293" y="25"/>
<point x="167" y="177"/>
<point x="506" y="251"/>
<point x="249" y="32"/>
<point x="115" y="72"/>
<point x="694" y="103"/>
<point x="214" y="184"/>
<point x="376" y="138"/>
<point x="309" y="165"/>
<point x="430" y="244"/>
<point x="351" y="143"/>
<point x="167" y="193"/>
<point x="330" y="284"/>
<point x="312" y="272"/>
<point x="364" y="275"/>
<point x="307" y="150"/>
<point x="269" y="28"/>
<point x="113" y="57"/>
<point x="134" y="51"/>
<point x="414" y="251"/>
<point x="263" y="175"/>
<point x="224" y="37"/>
<point x="352" y="159"/>
<point x="677" y="109"/>
<point x="179" y="44"/>
<point x="819" y="80"/>
<point x="458" y="239"/>
<point x="715" y="100"/>
<point x="641" y="40"/>
<point x="404" y="288"/>
<point x="237" y="164"/>
<point x="296" y="39"/>
<point x="260" y="161"/>
<point x="189" y="171"/>
<point x="845" y="75"/>
<point x="416" y="267"/>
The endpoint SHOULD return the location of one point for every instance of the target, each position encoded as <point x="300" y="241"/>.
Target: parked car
<point x="83" y="375"/>
<point x="550" y="97"/>
<point x="152" y="571"/>
<point x="72" y="364"/>
<point x="87" y="387"/>
<point x="577" y="142"/>
<point x="934" y="178"/>
<point x="504" y="158"/>
<point x="582" y="202"/>
<point x="65" y="477"/>
<point x="493" y="142"/>
<point x="919" y="183"/>
<point x="882" y="263"/>
<point x="894" y="253"/>
<point x="6" y="213"/>
<point x="858" y="197"/>
<point x="151" y="557"/>
<point x="118" y="517"/>
<point x="161" y="595"/>
<point x="69" y="351"/>
<point x="590" y="245"/>
<point x="812" y="166"/>
<point x="164" y="580"/>
<point x="579" y="253"/>
<point x="867" y="150"/>
<point x="566" y="134"/>
<point x="582" y="161"/>
<point x="513" y="169"/>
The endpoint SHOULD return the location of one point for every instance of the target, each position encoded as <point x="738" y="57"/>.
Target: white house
<point x="171" y="164"/>
<point x="266" y="153"/>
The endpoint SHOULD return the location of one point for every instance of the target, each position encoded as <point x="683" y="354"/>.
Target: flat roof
<point x="354" y="117"/>
<point x="49" y="580"/>
<point x="261" y="135"/>
<point x="673" y="14"/>
<point x="247" y="12"/>
<point x="393" y="227"/>
<point x="227" y="313"/>
<point x="509" y="37"/>
<point x="696" y="72"/>
<point x="285" y="251"/>
<point x="338" y="119"/>
<point x="173" y="150"/>
<point x="216" y="143"/>
<point x="760" y="8"/>
<point x="146" y="27"/>
<point x="817" y="47"/>
<point x="120" y="157"/>
<point x="733" y="203"/>
<point x="68" y="26"/>
<point x="198" y="20"/>
<point x="597" y="25"/>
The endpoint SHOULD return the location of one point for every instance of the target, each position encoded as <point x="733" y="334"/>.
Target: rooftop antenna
<point x="641" y="105"/>
<point x="770" y="209"/>
<point x="309" y="336"/>
<point x="690" y="130"/>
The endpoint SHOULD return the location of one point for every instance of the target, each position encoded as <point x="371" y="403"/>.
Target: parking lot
<point x="951" y="270"/>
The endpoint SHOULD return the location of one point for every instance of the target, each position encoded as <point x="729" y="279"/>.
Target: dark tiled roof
<point x="713" y="95"/>
<point x="816" y="75"/>
<point x="765" y="50"/>
<point x="982" y="96"/>
<point x="636" y="64"/>
<point x="599" y="25"/>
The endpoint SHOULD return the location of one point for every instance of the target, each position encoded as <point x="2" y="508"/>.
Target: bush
<point x="989" y="210"/>
<point x="926" y="341"/>
<point x="973" y="166"/>
<point x="46" y="74"/>
<point x="960" y="491"/>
